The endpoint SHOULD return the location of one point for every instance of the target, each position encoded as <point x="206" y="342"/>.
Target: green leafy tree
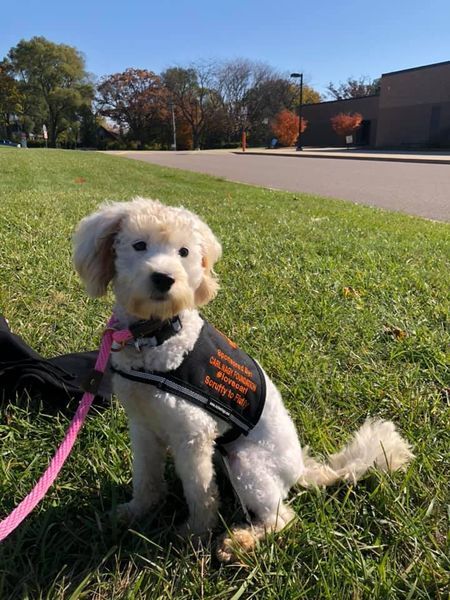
<point x="89" y="124"/>
<point x="54" y="81"/>
<point x="11" y="99"/>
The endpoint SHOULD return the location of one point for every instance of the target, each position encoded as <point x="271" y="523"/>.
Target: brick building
<point x="412" y="110"/>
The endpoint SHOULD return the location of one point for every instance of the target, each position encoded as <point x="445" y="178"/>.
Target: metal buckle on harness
<point x="141" y="342"/>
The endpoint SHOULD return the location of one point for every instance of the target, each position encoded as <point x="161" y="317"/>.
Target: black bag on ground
<point x="54" y="380"/>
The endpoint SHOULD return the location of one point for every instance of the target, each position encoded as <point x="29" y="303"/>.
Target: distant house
<point x="412" y="110"/>
<point x="104" y="133"/>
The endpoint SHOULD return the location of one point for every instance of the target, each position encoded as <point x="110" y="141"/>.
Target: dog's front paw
<point x="127" y="512"/>
<point x="229" y="546"/>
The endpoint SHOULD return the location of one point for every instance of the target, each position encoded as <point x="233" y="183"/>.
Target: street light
<point x="299" y="76"/>
<point x="243" y="118"/>
<point x="174" y="127"/>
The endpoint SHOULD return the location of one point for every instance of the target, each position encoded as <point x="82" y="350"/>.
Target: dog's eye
<point x="183" y="252"/>
<point x="140" y="246"/>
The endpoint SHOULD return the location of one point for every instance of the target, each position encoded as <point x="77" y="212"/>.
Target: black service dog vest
<point x="219" y="377"/>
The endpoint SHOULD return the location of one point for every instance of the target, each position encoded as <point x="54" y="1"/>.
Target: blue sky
<point x="327" y="40"/>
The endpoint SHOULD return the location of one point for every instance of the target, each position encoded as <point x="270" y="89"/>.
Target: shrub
<point x="35" y="143"/>
<point x="345" y="123"/>
<point x="115" y="145"/>
<point x="133" y="145"/>
<point x="285" y="127"/>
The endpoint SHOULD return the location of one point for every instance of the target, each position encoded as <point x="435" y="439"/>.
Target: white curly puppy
<point x="160" y="261"/>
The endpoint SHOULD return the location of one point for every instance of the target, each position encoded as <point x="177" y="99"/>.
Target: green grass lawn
<point x="314" y="288"/>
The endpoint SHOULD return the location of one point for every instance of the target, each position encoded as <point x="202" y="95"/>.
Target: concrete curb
<point x="395" y="158"/>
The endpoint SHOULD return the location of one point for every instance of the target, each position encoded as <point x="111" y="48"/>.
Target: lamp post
<point x="299" y="76"/>
<point x="174" y="127"/>
<point x="243" y="114"/>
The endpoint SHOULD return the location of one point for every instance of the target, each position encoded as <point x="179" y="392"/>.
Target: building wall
<point x="414" y="108"/>
<point x="319" y="131"/>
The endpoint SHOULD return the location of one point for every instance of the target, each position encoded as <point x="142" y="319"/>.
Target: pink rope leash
<point x="40" y="489"/>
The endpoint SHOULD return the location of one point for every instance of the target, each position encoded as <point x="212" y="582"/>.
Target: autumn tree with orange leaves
<point x="285" y="127"/>
<point x="136" y="100"/>
<point x="345" y="123"/>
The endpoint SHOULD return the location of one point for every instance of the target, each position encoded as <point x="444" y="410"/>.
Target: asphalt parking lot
<point x="417" y="189"/>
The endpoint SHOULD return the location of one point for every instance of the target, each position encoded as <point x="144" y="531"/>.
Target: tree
<point x="354" y="88"/>
<point x="309" y="95"/>
<point x="253" y="93"/>
<point x="268" y="99"/>
<point x="136" y="100"/>
<point x="285" y="127"/>
<point x="53" y="79"/>
<point x="241" y="84"/>
<point x="89" y="123"/>
<point x="11" y="99"/>
<point x="193" y="94"/>
<point x="345" y="123"/>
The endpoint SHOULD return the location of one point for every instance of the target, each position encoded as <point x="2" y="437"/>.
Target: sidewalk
<point x="424" y="157"/>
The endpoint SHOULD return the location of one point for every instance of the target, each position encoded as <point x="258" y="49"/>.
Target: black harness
<point x="217" y="376"/>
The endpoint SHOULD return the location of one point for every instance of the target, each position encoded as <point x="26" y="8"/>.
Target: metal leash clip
<point x="117" y="346"/>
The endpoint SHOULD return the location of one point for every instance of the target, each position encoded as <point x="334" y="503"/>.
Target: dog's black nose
<point x="162" y="281"/>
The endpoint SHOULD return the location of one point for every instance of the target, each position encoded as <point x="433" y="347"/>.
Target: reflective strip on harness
<point x="168" y="385"/>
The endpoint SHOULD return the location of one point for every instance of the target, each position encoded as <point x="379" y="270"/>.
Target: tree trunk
<point x="195" y="139"/>
<point x="52" y="133"/>
<point x="52" y="137"/>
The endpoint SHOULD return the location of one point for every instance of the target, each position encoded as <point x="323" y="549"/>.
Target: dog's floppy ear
<point x="93" y="247"/>
<point x="211" y="252"/>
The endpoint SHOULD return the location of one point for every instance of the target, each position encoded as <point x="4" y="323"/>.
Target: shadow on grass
<point x="74" y="542"/>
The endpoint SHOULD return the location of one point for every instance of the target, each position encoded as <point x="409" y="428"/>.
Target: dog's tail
<point x="376" y="444"/>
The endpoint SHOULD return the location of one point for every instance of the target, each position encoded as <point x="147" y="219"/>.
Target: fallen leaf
<point x="350" y="292"/>
<point x="80" y="180"/>
<point x="395" y="332"/>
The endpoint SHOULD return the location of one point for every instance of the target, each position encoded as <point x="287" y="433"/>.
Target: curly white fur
<point x="265" y="464"/>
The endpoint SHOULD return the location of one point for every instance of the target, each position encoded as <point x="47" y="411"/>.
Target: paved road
<point x="417" y="189"/>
